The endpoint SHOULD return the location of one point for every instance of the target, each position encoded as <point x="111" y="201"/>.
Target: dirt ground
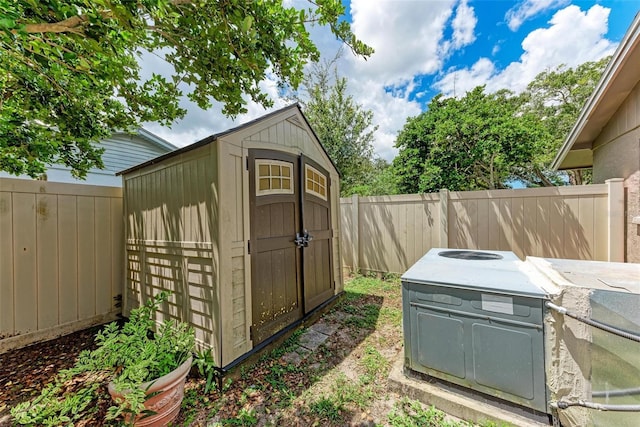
<point x="343" y="382"/>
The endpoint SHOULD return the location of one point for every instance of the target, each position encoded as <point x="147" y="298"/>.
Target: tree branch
<point x="69" y="25"/>
<point x="74" y="24"/>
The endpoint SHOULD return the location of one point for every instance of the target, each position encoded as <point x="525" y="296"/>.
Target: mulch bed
<point x="24" y="372"/>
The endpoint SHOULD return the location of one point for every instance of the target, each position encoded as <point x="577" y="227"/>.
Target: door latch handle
<point x="306" y="238"/>
<point x="302" y="240"/>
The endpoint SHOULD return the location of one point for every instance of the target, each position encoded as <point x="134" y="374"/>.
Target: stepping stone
<point x="292" y="358"/>
<point x="336" y="316"/>
<point x="312" y="339"/>
<point x="327" y="328"/>
<point x="296" y="356"/>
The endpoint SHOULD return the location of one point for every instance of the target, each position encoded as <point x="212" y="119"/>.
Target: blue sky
<point x="426" y="47"/>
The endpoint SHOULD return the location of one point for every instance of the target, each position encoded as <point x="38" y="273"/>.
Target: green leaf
<point x="76" y="87"/>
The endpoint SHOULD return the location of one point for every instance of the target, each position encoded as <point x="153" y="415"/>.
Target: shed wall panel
<point x="169" y="235"/>
<point x="235" y="311"/>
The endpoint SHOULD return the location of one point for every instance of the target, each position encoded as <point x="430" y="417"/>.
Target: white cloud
<point x="406" y="35"/>
<point x="390" y="113"/>
<point x="572" y="38"/>
<point x="458" y="82"/>
<point x="464" y="25"/>
<point x="527" y="9"/>
<point x="409" y="41"/>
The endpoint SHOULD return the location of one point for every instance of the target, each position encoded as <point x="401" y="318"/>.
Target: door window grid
<point x="316" y="182"/>
<point x="273" y="177"/>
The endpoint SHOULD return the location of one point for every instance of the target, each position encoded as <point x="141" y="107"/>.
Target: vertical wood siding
<point x="390" y="233"/>
<point x="169" y="242"/>
<point x="61" y="254"/>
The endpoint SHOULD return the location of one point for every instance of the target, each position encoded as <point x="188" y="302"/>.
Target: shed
<point x="243" y="228"/>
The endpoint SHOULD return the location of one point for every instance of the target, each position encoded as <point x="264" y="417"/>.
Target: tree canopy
<point x="70" y="73"/>
<point x="343" y="127"/>
<point x="487" y="141"/>
<point x="556" y="97"/>
<point x="472" y="143"/>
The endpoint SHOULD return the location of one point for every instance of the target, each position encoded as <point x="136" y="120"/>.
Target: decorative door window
<point x="316" y="182"/>
<point x="273" y="177"/>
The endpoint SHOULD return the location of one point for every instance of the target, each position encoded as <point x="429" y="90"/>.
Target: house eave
<point x="618" y="79"/>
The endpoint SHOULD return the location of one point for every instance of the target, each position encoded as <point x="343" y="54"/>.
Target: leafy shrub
<point x="129" y="356"/>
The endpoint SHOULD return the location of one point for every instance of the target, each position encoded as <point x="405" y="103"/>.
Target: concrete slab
<point x="453" y="403"/>
<point x="312" y="339"/>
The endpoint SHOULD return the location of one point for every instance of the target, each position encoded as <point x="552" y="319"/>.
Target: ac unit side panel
<point x="440" y="343"/>
<point x="503" y="360"/>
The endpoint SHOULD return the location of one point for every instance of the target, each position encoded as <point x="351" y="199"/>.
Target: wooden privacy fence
<point x="390" y="233"/>
<point x="61" y="259"/>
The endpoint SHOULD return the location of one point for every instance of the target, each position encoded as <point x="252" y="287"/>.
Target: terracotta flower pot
<point x="166" y="403"/>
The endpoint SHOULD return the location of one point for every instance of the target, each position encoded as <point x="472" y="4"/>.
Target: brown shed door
<point x="275" y="219"/>
<point x="291" y="268"/>
<point x="316" y="220"/>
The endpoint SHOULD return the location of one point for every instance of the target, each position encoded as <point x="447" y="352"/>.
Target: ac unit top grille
<point x="470" y="255"/>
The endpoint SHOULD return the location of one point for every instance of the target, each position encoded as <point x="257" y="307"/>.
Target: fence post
<point x="355" y="232"/>
<point x="444" y="218"/>
<point x="615" y="217"/>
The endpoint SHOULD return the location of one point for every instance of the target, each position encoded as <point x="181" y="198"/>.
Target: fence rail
<point x="61" y="258"/>
<point x="390" y="233"/>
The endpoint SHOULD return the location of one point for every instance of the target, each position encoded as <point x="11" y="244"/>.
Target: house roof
<point x="151" y="137"/>
<point x="215" y="137"/>
<point x="617" y="81"/>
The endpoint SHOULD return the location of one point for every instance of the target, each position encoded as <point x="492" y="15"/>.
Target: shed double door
<point x="290" y="246"/>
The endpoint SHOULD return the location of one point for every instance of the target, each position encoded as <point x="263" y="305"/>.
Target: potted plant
<point x="146" y="373"/>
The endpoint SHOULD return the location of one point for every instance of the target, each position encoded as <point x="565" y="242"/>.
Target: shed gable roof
<point x="617" y="81"/>
<point x="299" y="119"/>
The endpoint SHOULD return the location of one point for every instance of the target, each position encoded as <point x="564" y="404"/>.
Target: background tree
<point x="472" y="143"/>
<point x="344" y="128"/>
<point x="69" y="71"/>
<point x="556" y="97"/>
<point x="379" y="182"/>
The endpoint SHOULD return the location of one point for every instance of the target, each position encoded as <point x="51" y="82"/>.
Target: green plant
<point x="206" y="367"/>
<point x="128" y="356"/>
<point x="408" y="413"/>
<point x="327" y="409"/>
<point x="245" y="417"/>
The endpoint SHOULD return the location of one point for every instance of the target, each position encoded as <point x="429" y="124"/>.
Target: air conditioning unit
<point x="475" y="319"/>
